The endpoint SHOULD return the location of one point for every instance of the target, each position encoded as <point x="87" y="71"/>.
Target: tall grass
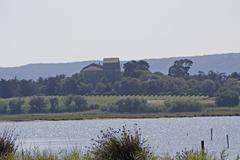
<point x="197" y="155"/>
<point x="7" y="144"/>
<point x="121" y="144"/>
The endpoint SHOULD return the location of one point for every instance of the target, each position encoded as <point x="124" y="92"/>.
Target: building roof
<point x="110" y="60"/>
<point x="93" y="67"/>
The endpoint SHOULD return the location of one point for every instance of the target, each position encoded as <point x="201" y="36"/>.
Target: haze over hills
<point x="227" y="63"/>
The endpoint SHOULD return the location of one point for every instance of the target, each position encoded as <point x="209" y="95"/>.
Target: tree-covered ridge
<point x="136" y="79"/>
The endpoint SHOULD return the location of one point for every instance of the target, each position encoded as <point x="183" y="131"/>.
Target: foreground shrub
<point x="193" y="155"/>
<point x="227" y="98"/>
<point x="36" y="155"/>
<point x="183" y="106"/>
<point x="197" y="155"/>
<point x="75" y="155"/>
<point x="121" y="144"/>
<point x="7" y="144"/>
<point x="113" y="144"/>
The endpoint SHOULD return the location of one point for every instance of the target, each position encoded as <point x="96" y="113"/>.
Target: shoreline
<point x="100" y="116"/>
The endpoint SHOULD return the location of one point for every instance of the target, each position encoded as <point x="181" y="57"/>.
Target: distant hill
<point x="227" y="63"/>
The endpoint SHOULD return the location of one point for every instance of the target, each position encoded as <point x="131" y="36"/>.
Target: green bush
<point x="54" y="104"/>
<point x="16" y="106"/>
<point x="75" y="104"/>
<point x="94" y="106"/>
<point x="3" y="107"/>
<point x="130" y="105"/>
<point x="121" y="144"/>
<point x="227" y="98"/>
<point x="38" y="105"/>
<point x="182" y="106"/>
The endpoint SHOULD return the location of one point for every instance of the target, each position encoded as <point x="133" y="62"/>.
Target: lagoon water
<point x="165" y="135"/>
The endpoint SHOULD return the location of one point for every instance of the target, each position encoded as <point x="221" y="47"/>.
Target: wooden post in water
<point x="202" y="146"/>
<point x="211" y="133"/>
<point x="227" y="141"/>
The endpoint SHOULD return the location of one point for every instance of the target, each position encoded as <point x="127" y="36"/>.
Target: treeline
<point x="133" y="105"/>
<point x="40" y="104"/>
<point x="60" y="104"/>
<point x="136" y="79"/>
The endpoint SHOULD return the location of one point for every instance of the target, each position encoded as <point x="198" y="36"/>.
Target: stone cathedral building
<point x="110" y="69"/>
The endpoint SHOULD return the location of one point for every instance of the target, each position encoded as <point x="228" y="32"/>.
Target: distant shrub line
<point x="114" y="104"/>
<point x="183" y="106"/>
<point x="130" y="105"/>
<point x="41" y="104"/>
<point x="133" y="105"/>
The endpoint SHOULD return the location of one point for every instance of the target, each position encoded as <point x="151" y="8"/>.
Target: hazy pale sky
<point x="75" y="30"/>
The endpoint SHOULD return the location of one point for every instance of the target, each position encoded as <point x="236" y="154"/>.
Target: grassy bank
<point x="98" y="115"/>
<point x="77" y="155"/>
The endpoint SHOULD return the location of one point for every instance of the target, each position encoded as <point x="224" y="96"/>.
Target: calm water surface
<point x="164" y="134"/>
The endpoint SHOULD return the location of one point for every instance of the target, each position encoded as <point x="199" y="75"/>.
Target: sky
<point x="53" y="31"/>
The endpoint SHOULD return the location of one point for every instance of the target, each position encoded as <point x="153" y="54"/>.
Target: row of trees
<point x="39" y="104"/>
<point x="131" y="105"/>
<point x="136" y="79"/>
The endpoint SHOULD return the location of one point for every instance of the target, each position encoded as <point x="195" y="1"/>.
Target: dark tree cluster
<point x="130" y="105"/>
<point x="183" y="106"/>
<point x="43" y="104"/>
<point x="227" y="99"/>
<point x="136" y="79"/>
<point x="180" y="68"/>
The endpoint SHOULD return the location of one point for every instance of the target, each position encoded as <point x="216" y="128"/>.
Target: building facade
<point x="110" y="69"/>
<point x="93" y="73"/>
